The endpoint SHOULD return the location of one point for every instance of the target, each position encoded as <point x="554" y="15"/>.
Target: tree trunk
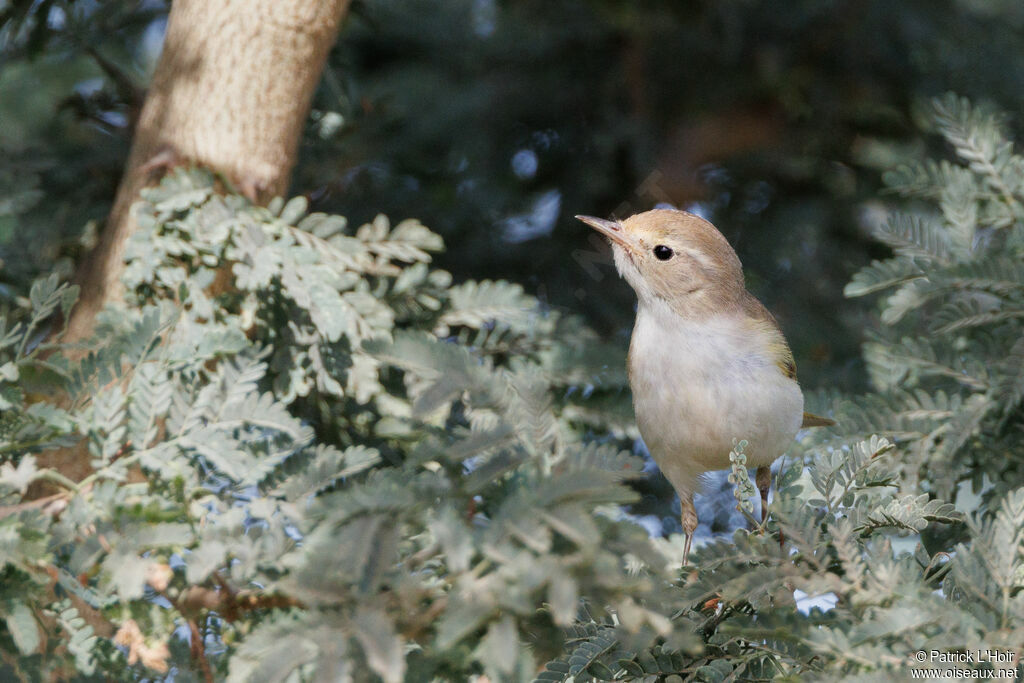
<point x="231" y="92"/>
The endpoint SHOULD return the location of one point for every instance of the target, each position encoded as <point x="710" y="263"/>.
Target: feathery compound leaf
<point x="589" y="652"/>
<point x="893" y="365"/>
<point x="985" y="572"/>
<point x="1009" y="388"/>
<point x="882" y="275"/>
<point x="930" y="179"/>
<point x="996" y="274"/>
<point x="912" y="513"/>
<point x="436" y="372"/>
<point x="383" y="647"/>
<point x="476" y="304"/>
<point x="151" y="392"/>
<point x="45" y="296"/>
<point x="409" y="241"/>
<point x="555" y="671"/>
<point x="236" y="382"/>
<point x="605" y="457"/>
<point x="912" y="236"/>
<point x="325" y="468"/>
<point x="836" y="473"/>
<point x="281" y="645"/>
<point x="18" y="477"/>
<point x="979" y="138"/>
<point x="848" y="550"/>
<point x="973" y="311"/>
<point x="81" y="639"/>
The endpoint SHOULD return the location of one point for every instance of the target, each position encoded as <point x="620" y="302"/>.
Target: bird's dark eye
<point x="663" y="253"/>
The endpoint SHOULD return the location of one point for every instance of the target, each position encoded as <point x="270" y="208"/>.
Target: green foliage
<point x="947" y="361"/>
<point x="344" y="456"/>
<point x="743" y="488"/>
<point x="313" y="457"/>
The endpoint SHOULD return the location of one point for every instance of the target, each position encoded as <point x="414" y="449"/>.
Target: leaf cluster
<point x="947" y="361"/>
<point x="313" y="453"/>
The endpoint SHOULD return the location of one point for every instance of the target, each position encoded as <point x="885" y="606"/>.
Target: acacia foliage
<point x="948" y="360"/>
<point x="348" y="461"/>
<point x="353" y="469"/>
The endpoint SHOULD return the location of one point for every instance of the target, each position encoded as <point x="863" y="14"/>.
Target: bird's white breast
<point x="697" y="385"/>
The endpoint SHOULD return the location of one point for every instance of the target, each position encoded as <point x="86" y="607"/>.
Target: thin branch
<point x="8" y="510"/>
<point x="198" y="651"/>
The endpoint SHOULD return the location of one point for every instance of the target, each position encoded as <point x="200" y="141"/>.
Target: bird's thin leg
<point x="764" y="483"/>
<point x="689" y="519"/>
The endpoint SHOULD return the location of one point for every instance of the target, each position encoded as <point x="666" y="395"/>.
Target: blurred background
<point x="495" y="122"/>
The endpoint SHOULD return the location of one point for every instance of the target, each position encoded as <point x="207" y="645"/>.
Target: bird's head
<point x="676" y="257"/>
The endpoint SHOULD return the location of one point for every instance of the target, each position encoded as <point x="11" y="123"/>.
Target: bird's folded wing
<point x="812" y="420"/>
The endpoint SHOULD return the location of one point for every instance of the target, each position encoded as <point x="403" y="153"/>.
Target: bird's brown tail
<point x="812" y="420"/>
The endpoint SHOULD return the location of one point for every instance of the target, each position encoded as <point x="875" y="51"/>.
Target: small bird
<point x="707" y="362"/>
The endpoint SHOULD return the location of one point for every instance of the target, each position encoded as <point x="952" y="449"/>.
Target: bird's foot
<point x="689" y="520"/>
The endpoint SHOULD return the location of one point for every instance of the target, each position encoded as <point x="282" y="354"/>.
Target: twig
<point x="198" y="650"/>
<point x="227" y="603"/>
<point x="58" y="478"/>
<point x="8" y="510"/>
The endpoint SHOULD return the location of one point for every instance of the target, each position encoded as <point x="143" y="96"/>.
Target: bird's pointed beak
<point x="610" y="229"/>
